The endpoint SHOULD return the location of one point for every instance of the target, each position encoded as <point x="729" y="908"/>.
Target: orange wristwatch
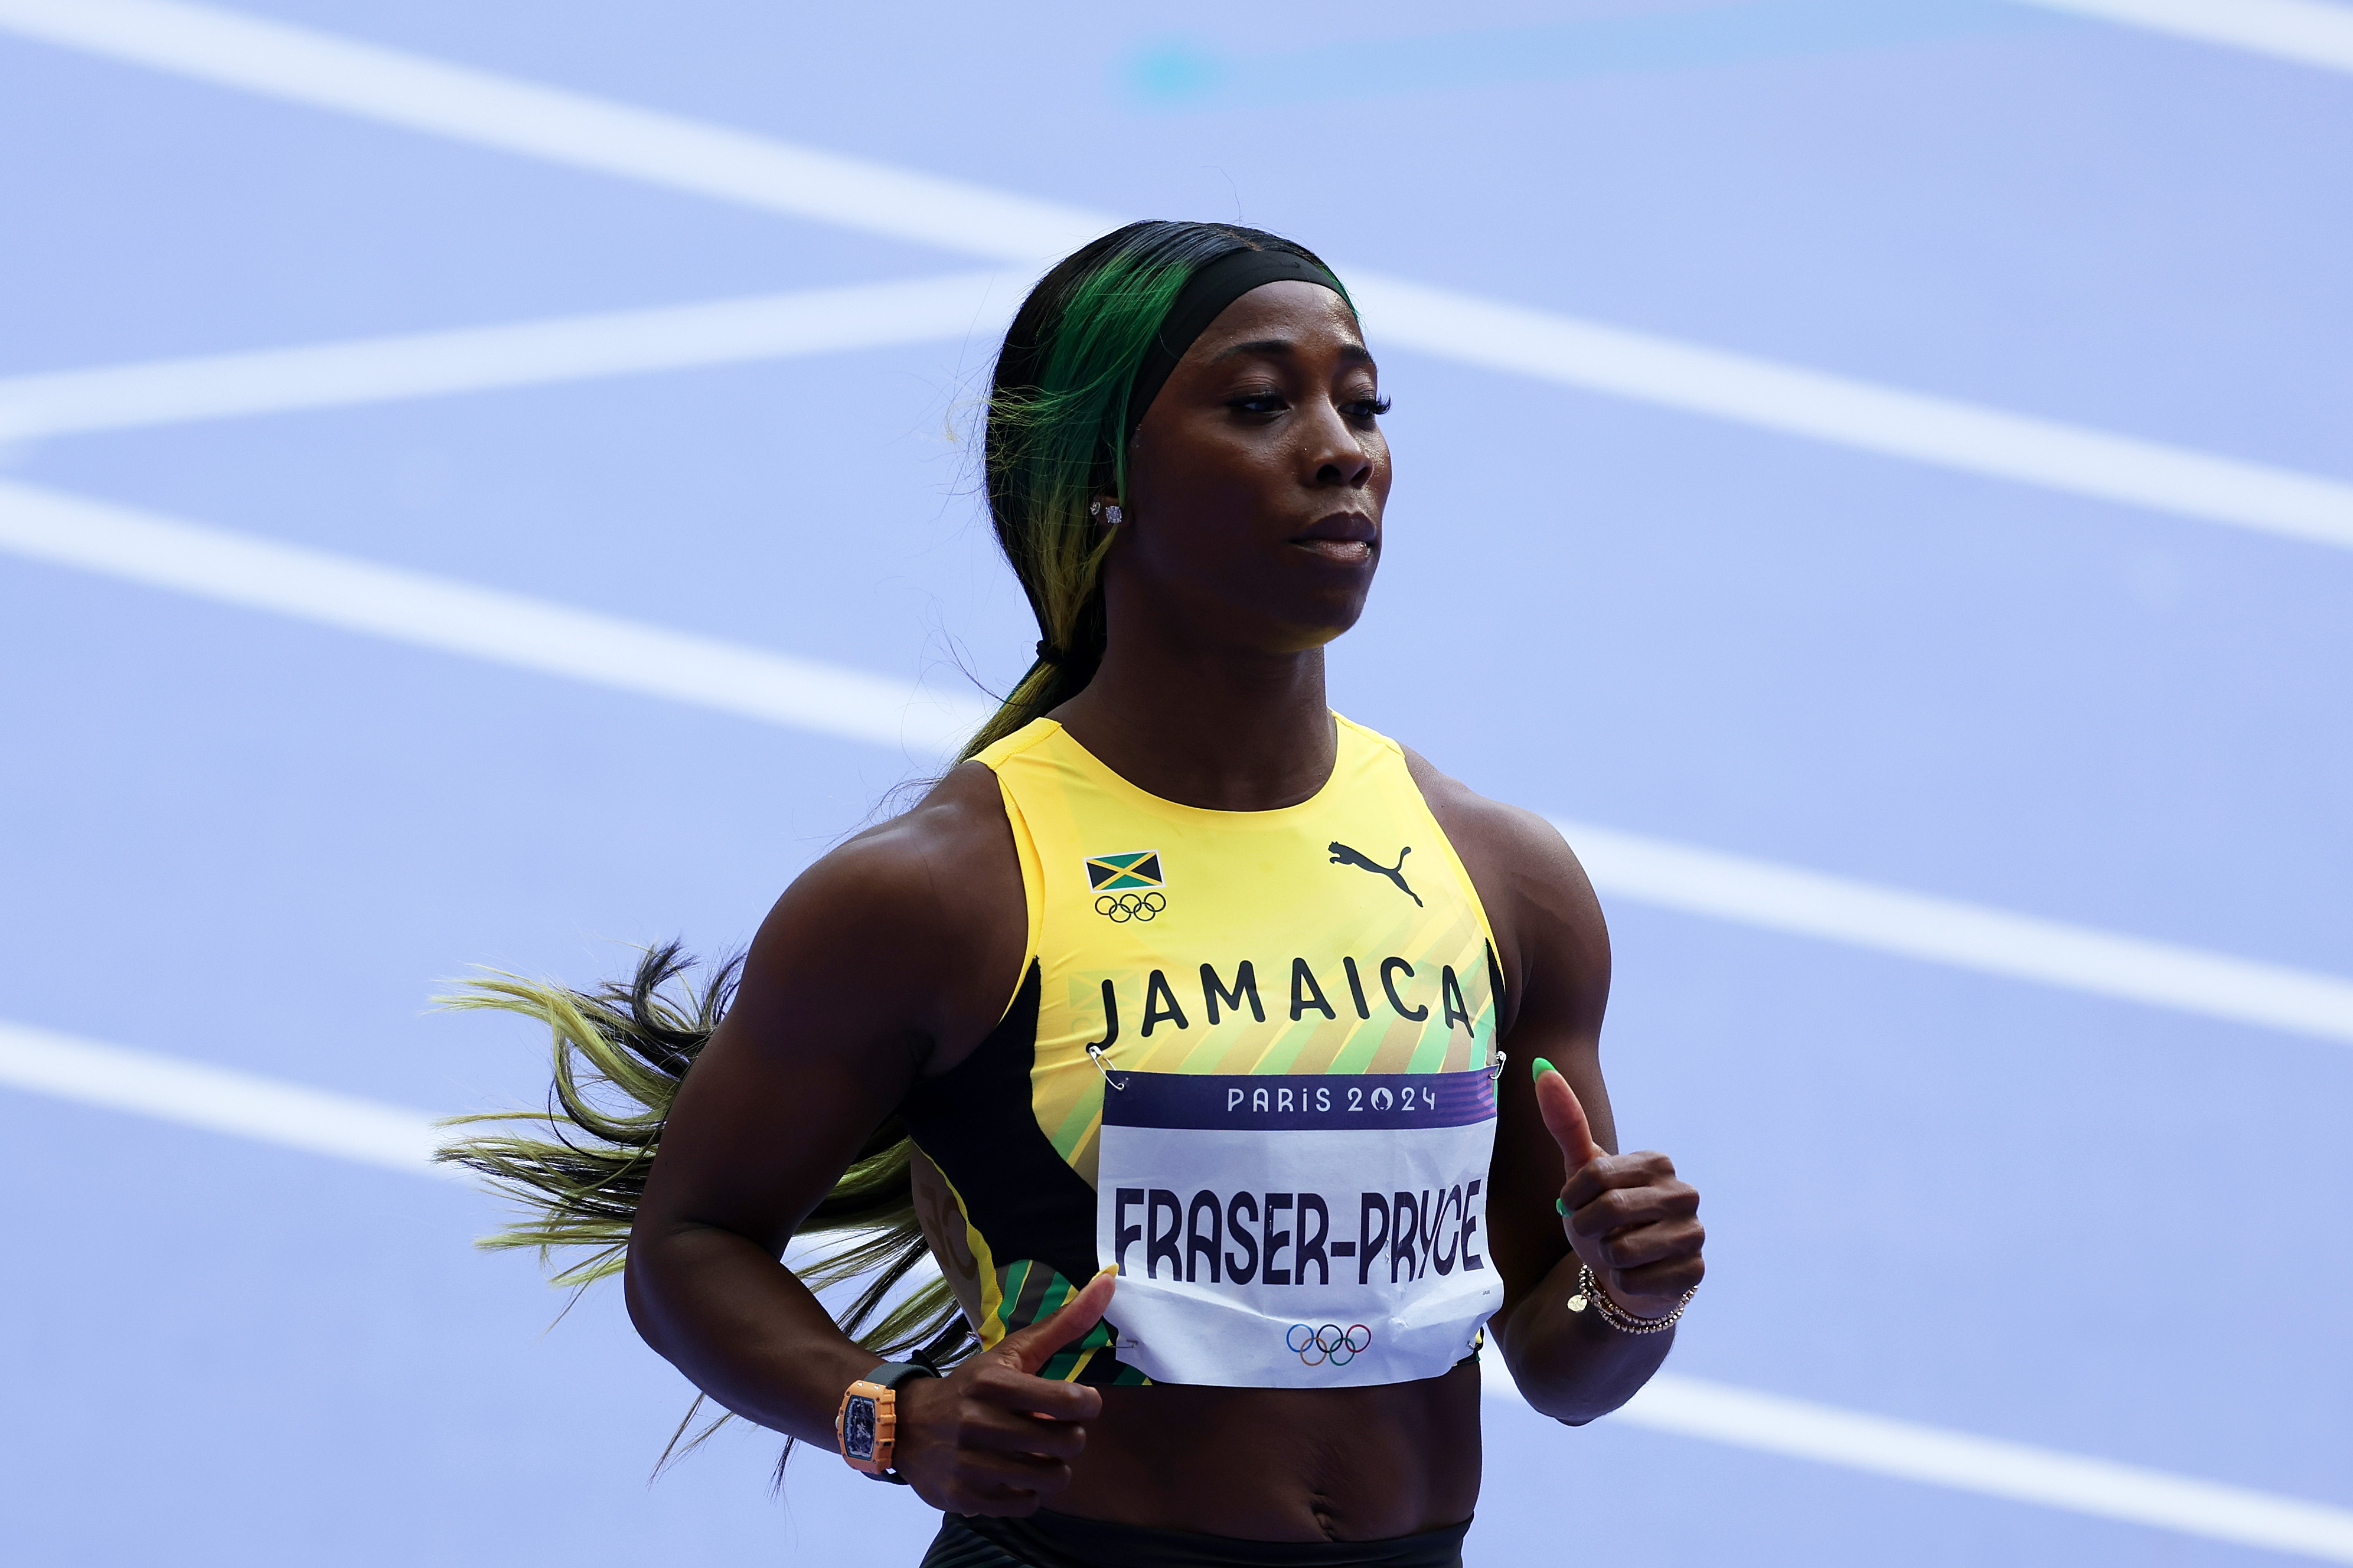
<point x="867" y="1424"/>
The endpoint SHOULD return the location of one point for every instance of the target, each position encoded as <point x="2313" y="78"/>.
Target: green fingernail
<point x="1560" y="1205"/>
<point x="1544" y="1067"/>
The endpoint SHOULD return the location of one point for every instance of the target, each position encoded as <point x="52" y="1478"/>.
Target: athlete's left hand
<point x="1628" y="1216"/>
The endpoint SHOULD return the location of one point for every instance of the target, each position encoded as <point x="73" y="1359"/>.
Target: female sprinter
<point x="1210" y="1038"/>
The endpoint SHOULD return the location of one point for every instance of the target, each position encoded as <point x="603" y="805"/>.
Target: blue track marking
<point x="1188" y="74"/>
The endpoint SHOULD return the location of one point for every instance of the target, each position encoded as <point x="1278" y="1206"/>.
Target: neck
<point x="1219" y="728"/>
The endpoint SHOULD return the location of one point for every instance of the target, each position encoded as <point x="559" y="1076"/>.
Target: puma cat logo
<point x="1344" y="855"/>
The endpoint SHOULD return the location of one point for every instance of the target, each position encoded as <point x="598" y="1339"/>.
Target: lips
<point x="1348" y="538"/>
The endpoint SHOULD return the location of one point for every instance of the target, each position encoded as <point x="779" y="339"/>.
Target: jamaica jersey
<point x="1250" y="1066"/>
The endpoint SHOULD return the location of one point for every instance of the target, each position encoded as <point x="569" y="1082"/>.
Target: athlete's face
<point x="1256" y="485"/>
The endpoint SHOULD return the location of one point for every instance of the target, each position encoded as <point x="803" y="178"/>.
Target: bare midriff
<point x="1269" y="1464"/>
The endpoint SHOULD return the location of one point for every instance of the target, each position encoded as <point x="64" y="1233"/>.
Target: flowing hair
<point x="1055" y="439"/>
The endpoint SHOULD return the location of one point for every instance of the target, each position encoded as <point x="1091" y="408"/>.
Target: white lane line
<point x="368" y="370"/>
<point x="370" y="1132"/>
<point x="1966" y="936"/>
<point x="481" y="623"/>
<point x="1529" y="343"/>
<point x="2015" y="1472"/>
<point x="419" y="93"/>
<point x="1940" y="431"/>
<point x="2306" y="31"/>
<point x="473" y="106"/>
<point x="218" y="1100"/>
<point x="512" y="628"/>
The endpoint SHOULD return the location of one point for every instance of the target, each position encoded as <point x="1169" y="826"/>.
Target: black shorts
<point x="1047" y="1539"/>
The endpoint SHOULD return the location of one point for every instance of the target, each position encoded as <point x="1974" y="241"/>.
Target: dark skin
<point x="1249" y="540"/>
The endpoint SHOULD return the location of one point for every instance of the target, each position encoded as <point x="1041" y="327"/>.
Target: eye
<point x="1371" y="407"/>
<point x="1259" y="403"/>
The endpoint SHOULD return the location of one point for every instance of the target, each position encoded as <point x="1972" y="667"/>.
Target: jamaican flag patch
<point x="1119" y="873"/>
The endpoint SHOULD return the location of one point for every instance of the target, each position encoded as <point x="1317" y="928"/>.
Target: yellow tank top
<point x="1249" y="962"/>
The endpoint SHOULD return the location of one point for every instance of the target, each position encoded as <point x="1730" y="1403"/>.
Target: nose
<point x="1335" y="452"/>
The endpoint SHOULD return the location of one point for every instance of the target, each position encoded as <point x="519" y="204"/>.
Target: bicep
<point x="825" y="1037"/>
<point x="1559" y="958"/>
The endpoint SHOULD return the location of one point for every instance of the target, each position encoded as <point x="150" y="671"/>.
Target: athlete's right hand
<point x="992" y="1436"/>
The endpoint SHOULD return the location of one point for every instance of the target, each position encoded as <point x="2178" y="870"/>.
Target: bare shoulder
<point x="1547" y="921"/>
<point x="957" y="830"/>
<point x="1524" y="854"/>
<point x="922" y="913"/>
<point x="1473" y="820"/>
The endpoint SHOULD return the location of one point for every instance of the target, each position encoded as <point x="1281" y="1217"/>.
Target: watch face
<point x="858" y="1427"/>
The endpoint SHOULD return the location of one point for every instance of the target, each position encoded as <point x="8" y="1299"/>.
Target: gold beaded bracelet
<point x="1590" y="1293"/>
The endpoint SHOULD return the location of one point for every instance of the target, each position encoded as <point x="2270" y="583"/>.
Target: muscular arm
<point x="1642" y="1233"/>
<point x="886" y="960"/>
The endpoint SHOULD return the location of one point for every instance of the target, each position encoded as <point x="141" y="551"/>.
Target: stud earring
<point x="1102" y="514"/>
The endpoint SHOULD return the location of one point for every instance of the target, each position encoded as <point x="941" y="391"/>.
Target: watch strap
<point x="892" y="1373"/>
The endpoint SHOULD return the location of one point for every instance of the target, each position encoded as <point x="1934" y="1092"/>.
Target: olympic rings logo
<point x="1329" y="1343"/>
<point x="1122" y="907"/>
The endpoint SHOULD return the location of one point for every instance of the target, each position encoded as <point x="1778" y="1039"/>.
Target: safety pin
<point x="1495" y="1067"/>
<point x="1101" y="1058"/>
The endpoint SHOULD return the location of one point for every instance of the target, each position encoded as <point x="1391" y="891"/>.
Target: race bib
<point x="1307" y="1232"/>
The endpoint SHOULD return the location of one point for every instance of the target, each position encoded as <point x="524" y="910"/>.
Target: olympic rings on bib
<point x="1330" y="1342"/>
<point x="1122" y="907"/>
